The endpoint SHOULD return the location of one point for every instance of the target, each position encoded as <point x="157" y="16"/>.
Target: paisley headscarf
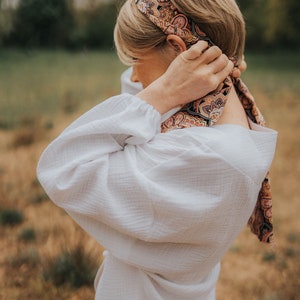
<point x="207" y="110"/>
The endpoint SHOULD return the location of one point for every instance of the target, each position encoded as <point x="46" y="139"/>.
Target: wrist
<point x="158" y="95"/>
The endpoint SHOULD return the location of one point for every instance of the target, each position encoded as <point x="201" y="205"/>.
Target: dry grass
<point x="250" y="270"/>
<point x="23" y="262"/>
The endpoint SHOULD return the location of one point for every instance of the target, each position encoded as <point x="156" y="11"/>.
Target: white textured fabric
<point x="127" y="86"/>
<point x="165" y="206"/>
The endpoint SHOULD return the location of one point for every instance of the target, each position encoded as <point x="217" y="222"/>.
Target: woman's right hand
<point x="191" y="75"/>
<point x="237" y="71"/>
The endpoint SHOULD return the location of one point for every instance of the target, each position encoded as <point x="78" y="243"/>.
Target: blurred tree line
<point x="58" y="23"/>
<point x="271" y="24"/>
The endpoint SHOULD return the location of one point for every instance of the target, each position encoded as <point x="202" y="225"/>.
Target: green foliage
<point x="253" y="12"/>
<point x="53" y="23"/>
<point x="100" y="25"/>
<point x="290" y="252"/>
<point x="27" y="235"/>
<point x="282" y="24"/>
<point x="6" y="23"/>
<point x="269" y="256"/>
<point x="50" y="23"/>
<point x="272" y="24"/>
<point x="73" y="267"/>
<point x="42" y="23"/>
<point x="292" y="237"/>
<point x="11" y="217"/>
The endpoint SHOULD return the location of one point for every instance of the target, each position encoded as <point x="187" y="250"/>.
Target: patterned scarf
<point x="207" y="110"/>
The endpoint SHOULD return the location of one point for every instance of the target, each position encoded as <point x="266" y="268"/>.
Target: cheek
<point x="150" y="68"/>
<point x="147" y="74"/>
<point x="158" y="69"/>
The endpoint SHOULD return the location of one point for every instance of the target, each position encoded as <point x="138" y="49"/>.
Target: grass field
<point x="41" y="93"/>
<point x="34" y="83"/>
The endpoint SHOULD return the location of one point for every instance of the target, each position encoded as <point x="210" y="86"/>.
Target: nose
<point x="134" y="76"/>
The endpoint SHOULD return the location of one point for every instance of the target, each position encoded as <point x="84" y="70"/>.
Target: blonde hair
<point x="221" y="20"/>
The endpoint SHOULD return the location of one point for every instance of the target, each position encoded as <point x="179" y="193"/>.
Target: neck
<point x="233" y="111"/>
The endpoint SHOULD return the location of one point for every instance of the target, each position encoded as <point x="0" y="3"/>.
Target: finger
<point x="211" y="54"/>
<point x="222" y="74"/>
<point x="236" y="72"/>
<point x="219" y="64"/>
<point x="243" y="65"/>
<point x="195" y="51"/>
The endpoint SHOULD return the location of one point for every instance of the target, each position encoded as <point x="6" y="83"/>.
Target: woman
<point x="163" y="181"/>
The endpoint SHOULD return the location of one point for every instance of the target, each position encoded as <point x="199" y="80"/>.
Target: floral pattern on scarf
<point x="207" y="110"/>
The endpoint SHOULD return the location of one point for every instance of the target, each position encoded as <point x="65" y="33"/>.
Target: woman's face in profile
<point x="149" y="67"/>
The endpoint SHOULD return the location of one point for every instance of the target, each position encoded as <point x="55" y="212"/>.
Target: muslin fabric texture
<point x="165" y="206"/>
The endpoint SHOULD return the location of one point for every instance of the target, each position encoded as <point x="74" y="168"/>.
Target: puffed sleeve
<point x="122" y="180"/>
<point x="76" y="169"/>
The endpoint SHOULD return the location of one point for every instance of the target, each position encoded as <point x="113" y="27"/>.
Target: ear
<point x="176" y="43"/>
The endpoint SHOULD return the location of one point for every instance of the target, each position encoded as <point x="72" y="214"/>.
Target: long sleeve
<point x="150" y="198"/>
<point x="80" y="168"/>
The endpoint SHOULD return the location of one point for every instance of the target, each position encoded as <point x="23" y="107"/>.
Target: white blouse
<point x="165" y="206"/>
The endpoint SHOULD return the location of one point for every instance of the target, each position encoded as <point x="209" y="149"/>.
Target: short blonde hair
<point x="221" y="20"/>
